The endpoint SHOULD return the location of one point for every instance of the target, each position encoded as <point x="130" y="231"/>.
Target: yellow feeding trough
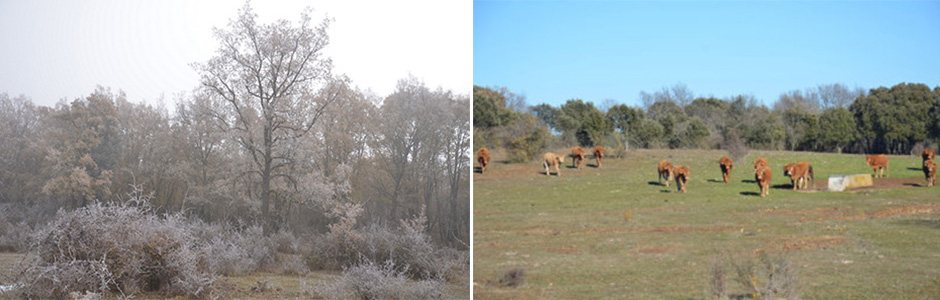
<point x="838" y="183"/>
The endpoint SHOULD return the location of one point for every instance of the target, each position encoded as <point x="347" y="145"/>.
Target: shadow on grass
<point x="935" y="224"/>
<point x="750" y="194"/>
<point x="716" y="180"/>
<point x="655" y="183"/>
<point x="915" y="169"/>
<point x="913" y="184"/>
<point x="748" y="181"/>
<point x="782" y="186"/>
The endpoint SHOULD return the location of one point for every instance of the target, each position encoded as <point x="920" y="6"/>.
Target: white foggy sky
<point x="50" y="50"/>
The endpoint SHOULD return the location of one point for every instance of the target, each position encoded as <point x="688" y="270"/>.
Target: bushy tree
<point x="836" y="128"/>
<point x="581" y="120"/>
<point x="276" y="83"/>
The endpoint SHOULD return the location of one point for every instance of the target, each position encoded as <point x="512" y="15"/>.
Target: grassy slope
<point x="572" y="237"/>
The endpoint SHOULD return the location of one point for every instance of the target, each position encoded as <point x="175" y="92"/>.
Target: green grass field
<point x="617" y="233"/>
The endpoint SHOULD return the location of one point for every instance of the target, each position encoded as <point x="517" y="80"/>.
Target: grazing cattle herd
<point x="800" y="173"/>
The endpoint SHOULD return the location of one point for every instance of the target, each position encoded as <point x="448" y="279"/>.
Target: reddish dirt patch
<point x="663" y="229"/>
<point x="638" y="210"/>
<point x="821" y="184"/>
<point x="906" y="210"/>
<point x="565" y="249"/>
<point x="888" y="183"/>
<point x="819" y="211"/>
<point x="484" y="212"/>
<point x="812" y="242"/>
<point x="657" y="250"/>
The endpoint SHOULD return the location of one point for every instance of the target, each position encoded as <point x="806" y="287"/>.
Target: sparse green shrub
<point x="513" y="278"/>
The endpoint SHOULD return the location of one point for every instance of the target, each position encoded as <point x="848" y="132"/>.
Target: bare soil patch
<point x="810" y="242"/>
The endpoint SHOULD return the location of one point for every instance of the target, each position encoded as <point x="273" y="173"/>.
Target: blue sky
<point x="597" y="50"/>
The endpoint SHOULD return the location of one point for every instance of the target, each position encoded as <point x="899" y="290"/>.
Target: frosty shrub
<point x="17" y="222"/>
<point x="238" y="252"/>
<point x="115" y="249"/>
<point x="409" y="246"/>
<point x="368" y="280"/>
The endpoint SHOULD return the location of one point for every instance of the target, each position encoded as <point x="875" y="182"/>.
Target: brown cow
<point x="682" y="177"/>
<point x="927" y="154"/>
<point x="483" y="157"/>
<point x="665" y="170"/>
<point x="762" y="176"/>
<point x="577" y="157"/>
<point x="552" y="159"/>
<point x="877" y="162"/>
<point x="726" y="165"/>
<point x="759" y="163"/>
<point x="598" y="154"/>
<point x="930" y="172"/>
<point x="800" y="173"/>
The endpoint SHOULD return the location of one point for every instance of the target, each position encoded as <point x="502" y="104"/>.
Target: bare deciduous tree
<point x="268" y="76"/>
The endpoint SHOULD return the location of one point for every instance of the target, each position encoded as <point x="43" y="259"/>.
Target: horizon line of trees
<point x="826" y="118"/>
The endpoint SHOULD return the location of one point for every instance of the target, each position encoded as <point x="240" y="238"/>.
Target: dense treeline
<point x="827" y="118"/>
<point x="270" y="137"/>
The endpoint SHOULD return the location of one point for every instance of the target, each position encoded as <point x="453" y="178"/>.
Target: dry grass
<point x="617" y="233"/>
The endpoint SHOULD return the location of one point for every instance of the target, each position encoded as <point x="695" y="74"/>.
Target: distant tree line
<point x="826" y="118"/>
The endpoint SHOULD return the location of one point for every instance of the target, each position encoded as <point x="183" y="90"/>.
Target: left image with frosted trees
<point x="275" y="177"/>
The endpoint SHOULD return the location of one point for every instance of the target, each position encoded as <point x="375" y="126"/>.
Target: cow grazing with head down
<point x="665" y="170"/>
<point x="552" y="159"/>
<point x="483" y="157"/>
<point x="577" y="157"/>
<point x="927" y="154"/>
<point x="800" y="173"/>
<point x="598" y="155"/>
<point x="726" y="165"/>
<point x="762" y="176"/>
<point x="682" y="177"/>
<point x="930" y="172"/>
<point x="877" y="162"/>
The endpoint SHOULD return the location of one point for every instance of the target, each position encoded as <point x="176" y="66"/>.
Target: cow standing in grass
<point x="877" y="162"/>
<point x="927" y="154"/>
<point x="552" y="159"/>
<point x="483" y="157"/>
<point x="930" y="172"/>
<point x="762" y="176"/>
<point x="665" y="170"/>
<point x="726" y="165"/>
<point x="760" y="162"/>
<point x="577" y="157"/>
<point x="682" y="177"/>
<point x="800" y="173"/>
<point x="598" y="155"/>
